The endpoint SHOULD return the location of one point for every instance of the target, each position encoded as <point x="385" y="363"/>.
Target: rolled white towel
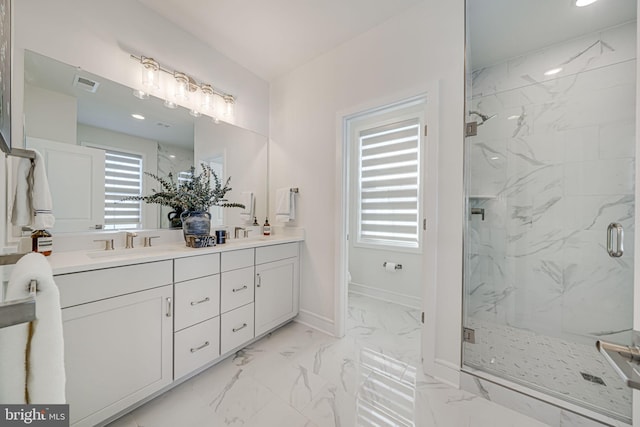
<point x="37" y="376"/>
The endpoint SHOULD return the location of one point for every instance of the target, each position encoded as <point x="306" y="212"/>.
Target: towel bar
<point x="22" y="310"/>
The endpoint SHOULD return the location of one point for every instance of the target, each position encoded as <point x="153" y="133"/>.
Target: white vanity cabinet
<point x="277" y="285"/>
<point x="236" y="298"/>
<point x="118" y="328"/>
<point x="197" y="312"/>
<point x="133" y="331"/>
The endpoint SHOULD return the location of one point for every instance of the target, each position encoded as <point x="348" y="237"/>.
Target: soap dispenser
<point x="255" y="222"/>
<point x="266" y="229"/>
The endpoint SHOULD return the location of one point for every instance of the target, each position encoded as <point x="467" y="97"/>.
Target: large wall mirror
<point x="96" y="137"/>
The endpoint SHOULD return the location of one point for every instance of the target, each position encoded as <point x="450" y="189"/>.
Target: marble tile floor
<point x="300" y="377"/>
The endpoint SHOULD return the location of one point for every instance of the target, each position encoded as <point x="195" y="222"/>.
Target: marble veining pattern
<point x="551" y="169"/>
<point x="299" y="377"/>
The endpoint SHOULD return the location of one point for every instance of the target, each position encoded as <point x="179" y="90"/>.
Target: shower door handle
<point x="619" y="250"/>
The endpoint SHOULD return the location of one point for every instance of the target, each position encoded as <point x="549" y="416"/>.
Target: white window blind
<point x="389" y="163"/>
<point x="122" y="178"/>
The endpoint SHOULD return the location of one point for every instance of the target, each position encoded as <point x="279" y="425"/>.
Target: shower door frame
<point x="505" y="382"/>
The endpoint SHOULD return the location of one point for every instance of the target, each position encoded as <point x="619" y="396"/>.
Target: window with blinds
<point x="388" y="191"/>
<point x="122" y="178"/>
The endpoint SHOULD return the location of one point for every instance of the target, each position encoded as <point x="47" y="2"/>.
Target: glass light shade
<point x="150" y="73"/>
<point x="206" y="98"/>
<point x="182" y="86"/>
<point x="140" y="94"/>
<point x="229" y="108"/>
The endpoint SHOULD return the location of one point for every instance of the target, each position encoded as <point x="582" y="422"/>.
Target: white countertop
<point x="75" y="261"/>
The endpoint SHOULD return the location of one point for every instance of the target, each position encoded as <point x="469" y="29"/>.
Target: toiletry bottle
<point x="42" y="241"/>
<point x="266" y="229"/>
<point x="255" y="221"/>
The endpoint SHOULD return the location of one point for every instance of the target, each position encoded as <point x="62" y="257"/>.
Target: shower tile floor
<point x="300" y="377"/>
<point x="548" y="363"/>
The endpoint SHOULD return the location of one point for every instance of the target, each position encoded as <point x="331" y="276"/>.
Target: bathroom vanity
<point x="137" y="323"/>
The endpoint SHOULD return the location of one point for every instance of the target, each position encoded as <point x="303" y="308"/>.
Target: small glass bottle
<point x="266" y="229"/>
<point x="42" y="242"/>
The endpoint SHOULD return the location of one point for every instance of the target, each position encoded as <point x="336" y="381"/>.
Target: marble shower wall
<point x="551" y="170"/>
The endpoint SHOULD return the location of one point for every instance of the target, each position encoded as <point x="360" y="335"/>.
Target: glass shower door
<point x="550" y="177"/>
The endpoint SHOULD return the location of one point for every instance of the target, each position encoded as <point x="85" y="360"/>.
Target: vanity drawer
<point x="276" y="252"/>
<point x="236" y="328"/>
<point x="196" y="300"/>
<point x="234" y="260"/>
<point x="87" y="286"/>
<point x="236" y="288"/>
<point x="196" y="346"/>
<point x="196" y="266"/>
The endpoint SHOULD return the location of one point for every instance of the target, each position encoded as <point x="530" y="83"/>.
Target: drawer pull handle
<point x="193" y="350"/>
<point x="201" y="301"/>
<point x="240" y="289"/>
<point x="168" y="314"/>
<point x="244" y="325"/>
<point x="259" y="280"/>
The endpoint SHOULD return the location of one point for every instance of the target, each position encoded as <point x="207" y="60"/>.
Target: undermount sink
<point x="149" y="250"/>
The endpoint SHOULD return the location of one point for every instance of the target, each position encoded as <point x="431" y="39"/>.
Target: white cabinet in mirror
<point x="96" y="151"/>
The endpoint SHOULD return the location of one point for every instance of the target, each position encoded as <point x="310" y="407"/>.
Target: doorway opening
<point x="384" y="149"/>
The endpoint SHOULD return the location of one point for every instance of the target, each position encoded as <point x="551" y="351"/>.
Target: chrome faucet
<point x="129" y="239"/>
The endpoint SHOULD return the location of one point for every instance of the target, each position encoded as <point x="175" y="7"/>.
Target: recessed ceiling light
<point x="495" y="158"/>
<point x="173" y="156"/>
<point x="553" y="71"/>
<point x="582" y="3"/>
<point x="513" y="117"/>
<point x="138" y="116"/>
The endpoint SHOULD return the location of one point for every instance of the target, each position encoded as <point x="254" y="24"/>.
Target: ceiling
<point x="502" y="29"/>
<point x="272" y="37"/>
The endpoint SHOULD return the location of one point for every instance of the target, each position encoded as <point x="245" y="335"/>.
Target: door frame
<point x="429" y="181"/>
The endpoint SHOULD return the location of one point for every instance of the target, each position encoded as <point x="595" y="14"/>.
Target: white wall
<point x="393" y="61"/>
<point x="50" y="115"/>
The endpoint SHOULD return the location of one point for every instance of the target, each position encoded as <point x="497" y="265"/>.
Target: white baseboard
<point x="321" y="323"/>
<point x="384" y="295"/>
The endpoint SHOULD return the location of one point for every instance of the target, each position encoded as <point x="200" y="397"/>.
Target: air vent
<point x="164" y="125"/>
<point x="85" y="83"/>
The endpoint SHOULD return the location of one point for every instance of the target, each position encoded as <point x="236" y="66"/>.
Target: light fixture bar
<point x="193" y="84"/>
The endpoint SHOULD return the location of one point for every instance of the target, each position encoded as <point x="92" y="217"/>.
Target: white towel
<point x="285" y="205"/>
<point x="40" y="374"/>
<point x="41" y="202"/>
<point x="32" y="204"/>
<point x="248" y="202"/>
<point x="21" y="211"/>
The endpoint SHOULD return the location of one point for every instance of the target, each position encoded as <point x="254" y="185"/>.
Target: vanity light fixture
<point x="582" y="3"/>
<point x="150" y="73"/>
<point x="182" y="89"/>
<point x="137" y="116"/>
